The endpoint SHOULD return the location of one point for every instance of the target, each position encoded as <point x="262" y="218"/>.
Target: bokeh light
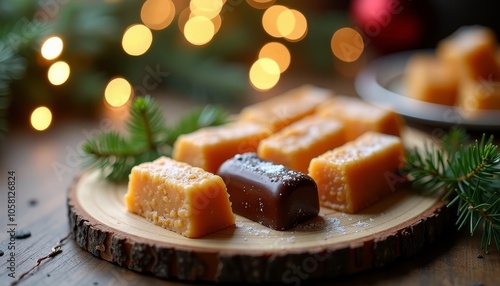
<point x="278" y="52"/>
<point x="41" y="118"/>
<point x="264" y="73"/>
<point x="261" y="4"/>
<point x="137" y="39"/>
<point x="58" y="73"/>
<point x="347" y="44"/>
<point x="206" y="8"/>
<point x="157" y="14"/>
<point x="52" y="48"/>
<point x="118" y="92"/>
<point x="183" y="17"/>
<point x="270" y="20"/>
<point x="199" y="30"/>
<point x="299" y="30"/>
<point x="285" y="23"/>
<point x="217" y="21"/>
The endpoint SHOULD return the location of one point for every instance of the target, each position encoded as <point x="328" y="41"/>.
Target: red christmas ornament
<point x="388" y="25"/>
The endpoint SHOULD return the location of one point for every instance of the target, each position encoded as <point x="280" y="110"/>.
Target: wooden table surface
<point x="46" y="163"/>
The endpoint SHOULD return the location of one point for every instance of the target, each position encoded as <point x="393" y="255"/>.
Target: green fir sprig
<point x="470" y="176"/>
<point x="114" y="155"/>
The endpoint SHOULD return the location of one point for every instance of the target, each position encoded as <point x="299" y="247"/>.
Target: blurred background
<point x="67" y="58"/>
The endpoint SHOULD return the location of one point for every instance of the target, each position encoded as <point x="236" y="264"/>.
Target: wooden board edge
<point x="197" y="264"/>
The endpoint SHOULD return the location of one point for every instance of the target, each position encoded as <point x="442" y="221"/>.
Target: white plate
<point x="381" y="83"/>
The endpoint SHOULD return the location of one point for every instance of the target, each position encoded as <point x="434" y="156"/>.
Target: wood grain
<point x="330" y="245"/>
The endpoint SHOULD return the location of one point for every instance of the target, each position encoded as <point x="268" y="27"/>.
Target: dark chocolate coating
<point x="268" y="193"/>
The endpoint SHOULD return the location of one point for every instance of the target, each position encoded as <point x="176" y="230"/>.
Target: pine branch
<point x="198" y="118"/>
<point x="111" y="154"/>
<point x="115" y="155"/>
<point x="455" y="138"/>
<point x="146" y="124"/>
<point x="469" y="175"/>
<point x="427" y="171"/>
<point x="149" y="138"/>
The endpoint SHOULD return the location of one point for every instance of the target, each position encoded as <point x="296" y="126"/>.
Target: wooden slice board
<point x="330" y="245"/>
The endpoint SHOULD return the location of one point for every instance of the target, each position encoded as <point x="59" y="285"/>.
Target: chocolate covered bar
<point x="268" y="193"/>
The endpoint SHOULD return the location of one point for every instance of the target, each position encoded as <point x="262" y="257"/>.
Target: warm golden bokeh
<point x="278" y="52"/>
<point x="281" y="22"/>
<point x="118" y="92"/>
<point x="183" y="17"/>
<point x="52" y="48"/>
<point x="270" y="20"/>
<point x="199" y="30"/>
<point x="58" y="73"/>
<point x="200" y="20"/>
<point x="206" y="8"/>
<point x="264" y="74"/>
<point x="299" y="30"/>
<point x="217" y="21"/>
<point x="261" y="4"/>
<point x="285" y="22"/>
<point x="347" y="44"/>
<point x="41" y="118"/>
<point x="157" y="14"/>
<point x="137" y="39"/>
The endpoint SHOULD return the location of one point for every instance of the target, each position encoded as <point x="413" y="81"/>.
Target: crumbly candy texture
<point x="209" y="147"/>
<point x="179" y="197"/>
<point x="357" y="174"/>
<point x="295" y="145"/>
<point x="282" y="110"/>
<point x="359" y="116"/>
